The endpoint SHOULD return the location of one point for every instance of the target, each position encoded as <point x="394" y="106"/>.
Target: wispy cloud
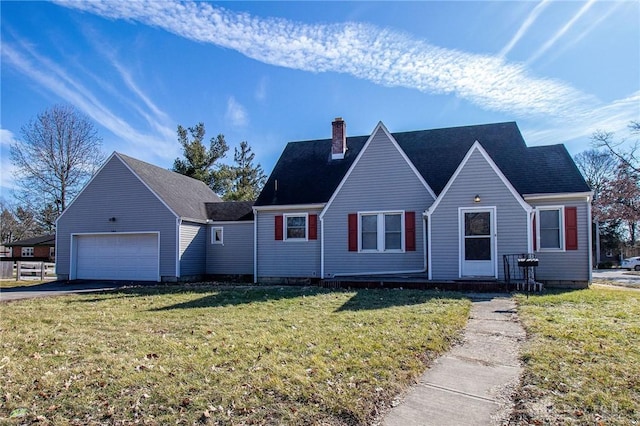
<point x="531" y="18"/>
<point x="261" y="90"/>
<point x="236" y="114"/>
<point x="7" y="138"/>
<point x="66" y="86"/>
<point x="7" y="169"/>
<point x="562" y="31"/>
<point x="379" y="55"/>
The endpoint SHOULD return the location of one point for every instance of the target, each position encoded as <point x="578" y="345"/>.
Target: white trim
<point x="178" y="226"/>
<point x="563" y="195"/>
<point x="73" y="273"/>
<point x="424" y="244"/>
<point x="429" y="264"/>
<point x="381" y="231"/>
<point x="321" y="247"/>
<point x="477" y="146"/>
<point x="255" y="246"/>
<point x="493" y="235"/>
<point x="213" y="234"/>
<point x="530" y="236"/>
<point x="562" y="236"/>
<point x="22" y="249"/>
<point x="379" y="126"/>
<point x="285" y="238"/>
<point x="289" y="207"/>
<point x="230" y="222"/>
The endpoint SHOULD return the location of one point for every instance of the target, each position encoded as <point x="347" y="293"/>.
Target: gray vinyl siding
<point x="193" y="250"/>
<point x="569" y="265"/>
<point x="285" y="259"/>
<point x="235" y="255"/>
<point x="381" y="181"/>
<point x="477" y="177"/>
<point x="115" y="192"/>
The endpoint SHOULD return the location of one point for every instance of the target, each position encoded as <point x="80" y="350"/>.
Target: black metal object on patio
<point x="520" y="269"/>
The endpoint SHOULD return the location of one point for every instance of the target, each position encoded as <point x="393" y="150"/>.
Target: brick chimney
<point x="339" y="139"/>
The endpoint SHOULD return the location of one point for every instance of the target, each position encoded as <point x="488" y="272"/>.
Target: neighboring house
<point x="136" y="221"/>
<point x="446" y="202"/>
<point x="42" y="247"/>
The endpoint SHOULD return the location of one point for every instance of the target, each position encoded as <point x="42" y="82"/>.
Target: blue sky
<point x="274" y="72"/>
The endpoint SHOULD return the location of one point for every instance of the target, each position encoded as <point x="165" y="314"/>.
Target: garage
<point x="117" y="256"/>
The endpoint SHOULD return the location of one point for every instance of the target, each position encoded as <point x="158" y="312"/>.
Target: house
<point x="449" y="203"/>
<point x="139" y="222"/>
<point x="42" y="247"/>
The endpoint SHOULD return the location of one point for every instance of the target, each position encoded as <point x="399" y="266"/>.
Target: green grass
<point x="163" y="355"/>
<point x="581" y="358"/>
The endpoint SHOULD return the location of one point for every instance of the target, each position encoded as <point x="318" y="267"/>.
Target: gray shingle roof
<point x="306" y="174"/>
<point x="184" y="195"/>
<point x="230" y="211"/>
<point x="41" y="240"/>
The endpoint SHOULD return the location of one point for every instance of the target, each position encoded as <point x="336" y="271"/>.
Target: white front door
<point x="477" y="242"/>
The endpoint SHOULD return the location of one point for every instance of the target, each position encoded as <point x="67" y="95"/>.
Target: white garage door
<point x="117" y="257"/>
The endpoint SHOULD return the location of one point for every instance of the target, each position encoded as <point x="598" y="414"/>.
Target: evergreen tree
<point x="247" y="179"/>
<point x="200" y="162"/>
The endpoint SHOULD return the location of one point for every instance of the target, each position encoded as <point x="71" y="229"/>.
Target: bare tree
<point x="59" y="151"/>
<point x="623" y="149"/>
<point x="620" y="200"/>
<point x="598" y="169"/>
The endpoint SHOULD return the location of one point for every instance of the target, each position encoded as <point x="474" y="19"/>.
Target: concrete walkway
<point x="471" y="384"/>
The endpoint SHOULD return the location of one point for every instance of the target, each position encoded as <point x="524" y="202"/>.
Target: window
<point x="369" y="232"/>
<point x="52" y="252"/>
<point x="550" y="230"/>
<point x="381" y="231"/>
<point x="27" y="251"/>
<point x="217" y="235"/>
<point x="296" y="227"/>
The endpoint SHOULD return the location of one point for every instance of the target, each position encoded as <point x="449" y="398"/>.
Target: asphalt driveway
<point x="60" y="288"/>
<point x="617" y="275"/>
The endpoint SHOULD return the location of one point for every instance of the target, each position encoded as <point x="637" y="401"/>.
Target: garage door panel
<point x="117" y="257"/>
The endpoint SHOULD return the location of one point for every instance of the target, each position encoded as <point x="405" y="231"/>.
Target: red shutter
<point x="279" y="233"/>
<point x="313" y="226"/>
<point x="535" y="236"/>
<point x="410" y="231"/>
<point x="353" y="232"/>
<point x="571" y="228"/>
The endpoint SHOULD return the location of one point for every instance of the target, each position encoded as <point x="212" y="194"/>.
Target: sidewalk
<point x="471" y="384"/>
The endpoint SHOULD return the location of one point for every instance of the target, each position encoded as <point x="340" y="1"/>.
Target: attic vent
<point x="339" y="139"/>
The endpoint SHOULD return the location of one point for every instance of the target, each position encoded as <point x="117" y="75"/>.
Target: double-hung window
<point x="551" y="228"/>
<point x="381" y="231"/>
<point x="296" y="227"/>
<point x="27" y="251"/>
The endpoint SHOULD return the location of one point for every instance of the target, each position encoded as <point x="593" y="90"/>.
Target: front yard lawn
<point x="581" y="358"/>
<point x="163" y="355"/>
